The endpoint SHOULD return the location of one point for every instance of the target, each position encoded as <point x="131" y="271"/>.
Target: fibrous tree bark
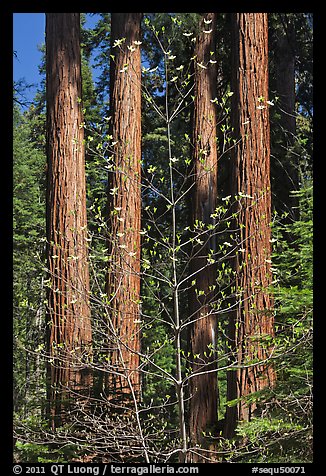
<point x="251" y="323"/>
<point x="69" y="324"/>
<point x="123" y="281"/>
<point x="203" y="387"/>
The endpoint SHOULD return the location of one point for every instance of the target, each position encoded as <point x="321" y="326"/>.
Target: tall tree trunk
<point x="69" y="325"/>
<point x="203" y="388"/>
<point x="123" y="282"/>
<point x="285" y="162"/>
<point x="251" y="324"/>
<point x="285" y="76"/>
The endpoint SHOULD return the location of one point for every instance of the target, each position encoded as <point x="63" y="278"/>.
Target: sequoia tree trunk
<point x="285" y="78"/>
<point x="286" y="162"/>
<point x="251" y="324"/>
<point x="123" y="282"/>
<point x="203" y="388"/>
<point x="69" y="325"/>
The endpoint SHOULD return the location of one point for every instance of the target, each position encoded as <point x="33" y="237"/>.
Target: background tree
<point x="69" y="326"/>
<point x="284" y="160"/>
<point x="123" y="282"/>
<point x="28" y="262"/>
<point x="251" y="323"/>
<point x="203" y="388"/>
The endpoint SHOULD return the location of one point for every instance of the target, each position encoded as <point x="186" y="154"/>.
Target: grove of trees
<point x="163" y="241"/>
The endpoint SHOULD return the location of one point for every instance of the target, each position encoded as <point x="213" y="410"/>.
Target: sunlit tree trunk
<point x="203" y="388"/>
<point x="123" y="282"/>
<point x="69" y="325"/>
<point x="251" y="324"/>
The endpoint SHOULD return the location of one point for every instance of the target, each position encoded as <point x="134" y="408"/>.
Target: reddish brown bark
<point x="251" y="324"/>
<point x="69" y="330"/>
<point x="123" y="284"/>
<point x="203" y="388"/>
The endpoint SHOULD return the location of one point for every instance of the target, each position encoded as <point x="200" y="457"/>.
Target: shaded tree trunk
<point x="123" y="282"/>
<point x="203" y="388"/>
<point x="69" y="325"/>
<point x="251" y="324"/>
<point x="285" y="77"/>
<point x="284" y="161"/>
